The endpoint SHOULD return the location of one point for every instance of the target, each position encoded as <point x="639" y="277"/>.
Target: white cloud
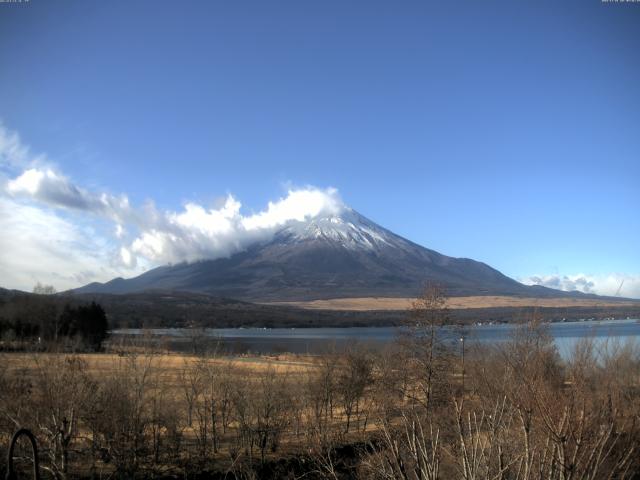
<point x="624" y="285"/>
<point x="54" y="189"/>
<point x="194" y="233"/>
<point x="198" y="233"/>
<point x="297" y="205"/>
<point x="146" y="234"/>
<point x="128" y="260"/>
<point x="37" y="245"/>
<point x="47" y="225"/>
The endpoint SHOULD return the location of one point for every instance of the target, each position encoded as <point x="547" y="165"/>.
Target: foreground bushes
<point x="415" y="411"/>
<point x="526" y="415"/>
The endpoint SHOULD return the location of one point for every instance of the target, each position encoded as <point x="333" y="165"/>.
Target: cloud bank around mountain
<point x="196" y="232"/>
<point x="56" y="231"/>
<point x="199" y="232"/>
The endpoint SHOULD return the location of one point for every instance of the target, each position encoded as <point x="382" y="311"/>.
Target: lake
<point x="315" y="340"/>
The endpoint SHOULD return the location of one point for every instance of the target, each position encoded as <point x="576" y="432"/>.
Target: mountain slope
<point x="334" y="256"/>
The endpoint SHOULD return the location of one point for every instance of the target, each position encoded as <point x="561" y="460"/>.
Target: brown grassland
<point x="381" y="303"/>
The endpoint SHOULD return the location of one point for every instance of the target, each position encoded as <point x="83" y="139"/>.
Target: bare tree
<point x="354" y="377"/>
<point x="271" y="407"/>
<point x="428" y="355"/>
<point x="191" y="384"/>
<point x="121" y="413"/>
<point x="63" y="393"/>
<point x="321" y="392"/>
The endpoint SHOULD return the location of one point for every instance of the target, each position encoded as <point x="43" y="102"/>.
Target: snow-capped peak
<point x="347" y="228"/>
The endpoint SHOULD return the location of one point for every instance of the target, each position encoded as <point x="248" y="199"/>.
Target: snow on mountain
<point x="348" y="229"/>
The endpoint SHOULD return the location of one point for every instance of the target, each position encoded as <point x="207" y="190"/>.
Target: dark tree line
<point x="47" y="318"/>
<point x="89" y="322"/>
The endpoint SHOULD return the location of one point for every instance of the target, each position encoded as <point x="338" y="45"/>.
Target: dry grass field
<point x="379" y="303"/>
<point x="169" y="363"/>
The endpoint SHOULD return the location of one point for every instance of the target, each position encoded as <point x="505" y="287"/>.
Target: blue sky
<point x="508" y="132"/>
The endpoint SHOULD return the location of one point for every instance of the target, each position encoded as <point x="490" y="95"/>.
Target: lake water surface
<point x="314" y="340"/>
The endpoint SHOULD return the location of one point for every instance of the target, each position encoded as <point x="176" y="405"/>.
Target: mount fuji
<point x="338" y="255"/>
